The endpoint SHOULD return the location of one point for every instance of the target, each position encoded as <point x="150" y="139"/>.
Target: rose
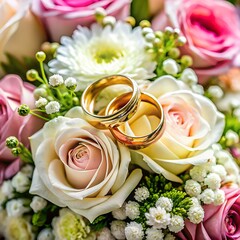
<point x="21" y="33"/>
<point x="80" y="167"/>
<point x="14" y="92"/>
<point x="220" y="222"/>
<point x="212" y="33"/>
<point x="62" y="17"/>
<point x="192" y="125"/>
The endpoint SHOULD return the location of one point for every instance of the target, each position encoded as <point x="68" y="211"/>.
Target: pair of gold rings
<point x="122" y="109"/>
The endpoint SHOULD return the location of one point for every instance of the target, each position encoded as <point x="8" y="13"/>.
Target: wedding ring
<point x="153" y="108"/>
<point x="103" y="120"/>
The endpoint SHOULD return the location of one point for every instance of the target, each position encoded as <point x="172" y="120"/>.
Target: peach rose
<point x="80" y="167"/>
<point x="62" y="17"/>
<point x="21" y="33"/>
<point x="192" y="125"/>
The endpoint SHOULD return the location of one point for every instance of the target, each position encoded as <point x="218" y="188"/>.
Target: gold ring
<point x="91" y="93"/>
<point x="138" y="142"/>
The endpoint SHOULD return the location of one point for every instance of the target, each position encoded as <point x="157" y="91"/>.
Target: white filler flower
<point x="98" y="52"/>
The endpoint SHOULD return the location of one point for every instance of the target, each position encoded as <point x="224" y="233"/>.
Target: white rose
<point x="38" y="204"/>
<point x="21" y="33"/>
<point x="80" y="167"/>
<point x="192" y="125"/>
<point x="21" y="182"/>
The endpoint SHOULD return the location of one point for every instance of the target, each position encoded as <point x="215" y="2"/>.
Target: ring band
<point x="91" y="93"/>
<point x="137" y="142"/>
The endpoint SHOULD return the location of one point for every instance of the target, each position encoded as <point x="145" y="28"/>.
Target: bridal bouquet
<point x="119" y="128"/>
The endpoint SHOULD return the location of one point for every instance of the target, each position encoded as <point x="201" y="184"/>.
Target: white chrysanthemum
<point x="192" y="188"/>
<point x="196" y="214"/>
<point x="207" y="196"/>
<point x="220" y="170"/>
<point x="165" y="203"/>
<point x="105" y="234"/>
<point x="141" y="194"/>
<point x="176" y="224"/>
<point x="118" y="229"/>
<point x="157" y="217"/>
<point x="213" y="181"/>
<point x="52" y="107"/>
<point x="134" y="231"/>
<point x="21" y="182"/>
<point x="219" y="197"/>
<point x="41" y="102"/>
<point x="98" y="52"/>
<point x="154" y="234"/>
<point x="16" y="208"/>
<point x="198" y="173"/>
<point x="195" y="202"/>
<point x="132" y="210"/>
<point x="120" y="213"/>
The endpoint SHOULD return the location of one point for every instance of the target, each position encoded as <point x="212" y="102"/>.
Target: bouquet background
<point x="62" y="178"/>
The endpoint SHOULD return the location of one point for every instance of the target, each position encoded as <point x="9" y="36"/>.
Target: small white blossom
<point x="154" y="234"/>
<point x="147" y="30"/>
<point x="141" y="194"/>
<point x="70" y="82"/>
<point x="176" y="224"/>
<point x="207" y="196"/>
<point x="41" y="102"/>
<point x="105" y="234"/>
<point x="134" y="231"/>
<point x="192" y="188"/>
<point x="27" y="170"/>
<point x="219" y="197"/>
<point x="157" y="217"/>
<point x="15" y="208"/>
<point x="7" y="189"/>
<point x="195" y="202"/>
<point x="150" y="37"/>
<point x="38" y="204"/>
<point x="39" y="92"/>
<point x="109" y="20"/>
<point x="182" y="40"/>
<point x="197" y="88"/>
<point x="169" y="236"/>
<point x="216" y="147"/>
<point x="170" y="66"/>
<point x="220" y="170"/>
<point x="236" y="112"/>
<point x="56" y="80"/>
<point x="195" y="214"/>
<point x="223" y="156"/>
<point x="215" y="92"/>
<point x="21" y="182"/>
<point x="132" y="210"/>
<point x="118" y="229"/>
<point x="198" y="173"/>
<point x="213" y="181"/>
<point x="189" y="76"/>
<point x="231" y="138"/>
<point x="165" y="203"/>
<point x="52" y="107"/>
<point x="120" y="213"/>
<point x="99" y="11"/>
<point x="168" y="29"/>
<point x="45" y="234"/>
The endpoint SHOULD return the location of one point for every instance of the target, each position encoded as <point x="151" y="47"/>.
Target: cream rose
<point x="21" y="33"/>
<point x="192" y="125"/>
<point x="80" y="167"/>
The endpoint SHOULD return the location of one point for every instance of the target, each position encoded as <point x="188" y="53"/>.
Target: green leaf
<point x="140" y="10"/>
<point x="39" y="218"/>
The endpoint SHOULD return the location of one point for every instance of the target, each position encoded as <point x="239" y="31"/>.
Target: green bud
<point x="54" y="47"/>
<point x="12" y="142"/>
<point x="186" y="60"/>
<point x="32" y="75"/>
<point x="16" y="151"/>
<point x="40" y="56"/>
<point x="174" y="53"/>
<point x="23" y="110"/>
<point x="100" y="13"/>
<point x="76" y="101"/>
<point x="46" y="47"/>
<point x="159" y="34"/>
<point x="144" y="23"/>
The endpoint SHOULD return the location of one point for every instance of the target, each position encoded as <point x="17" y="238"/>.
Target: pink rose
<point x="62" y="17"/>
<point x="211" y="29"/>
<point x="13" y="92"/>
<point x="220" y="222"/>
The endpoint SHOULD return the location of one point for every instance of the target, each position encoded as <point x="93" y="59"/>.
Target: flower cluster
<point x="64" y="177"/>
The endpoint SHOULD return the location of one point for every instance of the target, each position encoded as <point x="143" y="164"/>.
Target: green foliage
<point x="101" y="222"/>
<point x="140" y="10"/>
<point x="39" y="219"/>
